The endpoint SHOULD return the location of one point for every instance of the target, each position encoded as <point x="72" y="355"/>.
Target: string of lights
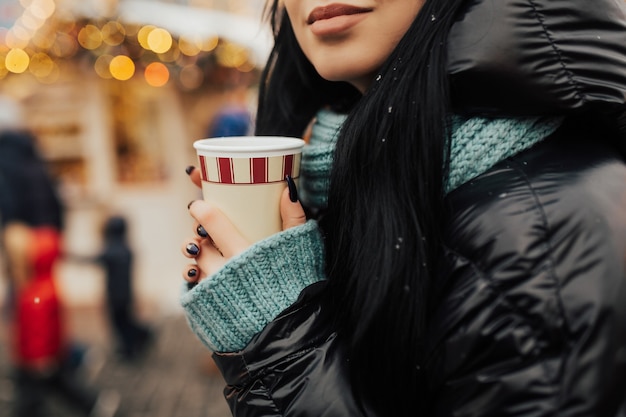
<point x="43" y="38"/>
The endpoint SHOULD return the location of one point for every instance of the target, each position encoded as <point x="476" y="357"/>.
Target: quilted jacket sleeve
<point x="531" y="320"/>
<point x="296" y="366"/>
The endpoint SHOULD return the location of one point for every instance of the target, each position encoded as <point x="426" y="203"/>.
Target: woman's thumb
<point x="291" y="210"/>
<point x="194" y="175"/>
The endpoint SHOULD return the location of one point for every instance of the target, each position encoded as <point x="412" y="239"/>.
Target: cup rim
<point x="245" y="145"/>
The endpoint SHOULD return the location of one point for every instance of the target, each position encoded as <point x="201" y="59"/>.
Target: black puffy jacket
<point x="539" y="56"/>
<point x="529" y="314"/>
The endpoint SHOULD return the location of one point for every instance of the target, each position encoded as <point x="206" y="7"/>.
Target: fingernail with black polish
<point x="190" y="203"/>
<point x="189" y="169"/>
<point x="192" y="273"/>
<point x="192" y="249"/>
<point x="293" y="191"/>
<point x="201" y="232"/>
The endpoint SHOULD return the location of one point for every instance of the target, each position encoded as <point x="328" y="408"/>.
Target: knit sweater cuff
<point x="227" y="309"/>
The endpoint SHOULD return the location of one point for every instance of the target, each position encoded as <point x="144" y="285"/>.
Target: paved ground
<point x="174" y="378"/>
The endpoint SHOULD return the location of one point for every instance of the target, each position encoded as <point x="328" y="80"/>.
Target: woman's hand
<point x="216" y="239"/>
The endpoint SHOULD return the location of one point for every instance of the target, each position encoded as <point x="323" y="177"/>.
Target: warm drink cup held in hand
<point x="244" y="177"/>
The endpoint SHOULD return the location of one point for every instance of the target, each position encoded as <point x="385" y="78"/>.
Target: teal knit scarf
<point x="477" y="144"/>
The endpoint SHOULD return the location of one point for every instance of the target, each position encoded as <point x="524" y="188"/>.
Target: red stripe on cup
<point x="287" y="165"/>
<point x="205" y="176"/>
<point x="249" y="170"/>
<point x="225" y="170"/>
<point x="258" y="170"/>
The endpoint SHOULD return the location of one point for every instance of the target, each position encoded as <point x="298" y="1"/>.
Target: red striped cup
<point x="245" y="175"/>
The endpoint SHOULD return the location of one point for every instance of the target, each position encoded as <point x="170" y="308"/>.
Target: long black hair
<point x="383" y="222"/>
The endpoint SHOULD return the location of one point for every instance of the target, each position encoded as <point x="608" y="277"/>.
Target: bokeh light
<point x="17" y="61"/>
<point x="122" y="68"/>
<point x="30" y="22"/>
<point x="113" y="33"/>
<point x="90" y="37"/>
<point x="188" y="46"/>
<point x="44" y="39"/>
<point x="172" y="54"/>
<point x="191" y="77"/>
<point x="142" y="36"/>
<point x="65" y="46"/>
<point x="42" y="9"/>
<point x="41" y="65"/>
<point x="14" y="40"/>
<point x="21" y="32"/>
<point x="232" y="55"/>
<point x="159" y="40"/>
<point x="53" y="76"/>
<point x="102" y="66"/>
<point x="157" y="74"/>
<point x="210" y="44"/>
<point x="247" y="66"/>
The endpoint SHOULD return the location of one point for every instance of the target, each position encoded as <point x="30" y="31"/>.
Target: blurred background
<point x="115" y="92"/>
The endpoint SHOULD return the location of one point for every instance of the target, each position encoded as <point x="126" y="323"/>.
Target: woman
<point x="466" y="251"/>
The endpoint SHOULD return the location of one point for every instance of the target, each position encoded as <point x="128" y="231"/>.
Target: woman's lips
<point x="335" y="18"/>
<point x="334" y="10"/>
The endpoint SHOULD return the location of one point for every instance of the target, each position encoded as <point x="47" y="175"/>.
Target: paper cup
<point x="244" y="177"/>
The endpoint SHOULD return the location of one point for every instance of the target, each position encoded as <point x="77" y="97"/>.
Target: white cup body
<point x="244" y="177"/>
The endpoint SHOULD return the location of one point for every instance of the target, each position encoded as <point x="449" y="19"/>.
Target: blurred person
<point x="116" y="258"/>
<point x="32" y="237"/>
<point x="233" y="118"/>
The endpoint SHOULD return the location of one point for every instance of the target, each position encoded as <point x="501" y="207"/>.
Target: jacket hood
<point x="538" y="56"/>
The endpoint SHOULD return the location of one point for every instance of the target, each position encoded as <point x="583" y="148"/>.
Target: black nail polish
<point x="192" y="273"/>
<point x="293" y="191"/>
<point x="201" y="232"/>
<point x="192" y="249"/>
<point x="189" y="169"/>
<point x="190" y="203"/>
